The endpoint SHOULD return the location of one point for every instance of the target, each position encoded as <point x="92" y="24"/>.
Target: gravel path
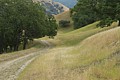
<point x="11" y="69"/>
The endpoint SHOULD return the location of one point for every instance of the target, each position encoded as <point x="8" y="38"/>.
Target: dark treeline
<point x="89" y="11"/>
<point x="21" y="21"/>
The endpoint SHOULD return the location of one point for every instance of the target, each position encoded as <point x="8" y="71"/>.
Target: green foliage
<point x="64" y="23"/>
<point x="52" y="26"/>
<point x="84" y="13"/>
<point x="23" y="20"/>
<point x="89" y="11"/>
<point x="108" y="11"/>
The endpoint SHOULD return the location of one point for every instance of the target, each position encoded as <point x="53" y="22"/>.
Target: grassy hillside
<point x="76" y="36"/>
<point x="69" y="37"/>
<point x="64" y="16"/>
<point x="89" y="53"/>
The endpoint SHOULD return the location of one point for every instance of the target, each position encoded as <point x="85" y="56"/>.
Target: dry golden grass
<point x="84" y="54"/>
<point x="89" y="53"/>
<point x="105" y="54"/>
<point x="49" y="67"/>
<point x="89" y="60"/>
<point x="63" y="16"/>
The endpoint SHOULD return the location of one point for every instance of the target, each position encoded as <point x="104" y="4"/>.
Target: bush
<point x="81" y="20"/>
<point x="64" y="23"/>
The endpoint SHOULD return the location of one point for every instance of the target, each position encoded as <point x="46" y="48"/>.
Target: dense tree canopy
<point x="108" y="11"/>
<point x="23" y="20"/>
<point x="89" y="11"/>
<point x="84" y="13"/>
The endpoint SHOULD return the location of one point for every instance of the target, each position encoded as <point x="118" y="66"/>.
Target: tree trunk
<point x="24" y="46"/>
<point x="24" y="43"/>
<point x="16" y="47"/>
<point x="1" y="51"/>
<point x="11" y="48"/>
<point x="119" y="23"/>
<point x="5" y="49"/>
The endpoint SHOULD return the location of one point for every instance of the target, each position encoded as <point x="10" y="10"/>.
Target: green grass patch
<point x="74" y="37"/>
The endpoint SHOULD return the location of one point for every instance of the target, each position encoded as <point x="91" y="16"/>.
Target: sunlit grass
<point x="73" y="38"/>
<point x="63" y="16"/>
<point x="78" y="62"/>
<point x="88" y="53"/>
<point x="98" y="46"/>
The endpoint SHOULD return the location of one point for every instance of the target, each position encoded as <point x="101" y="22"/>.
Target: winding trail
<point x="10" y="70"/>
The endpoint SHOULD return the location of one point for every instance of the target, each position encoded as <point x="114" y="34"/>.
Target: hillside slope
<point x="88" y="53"/>
<point x="52" y="7"/>
<point x="63" y="16"/>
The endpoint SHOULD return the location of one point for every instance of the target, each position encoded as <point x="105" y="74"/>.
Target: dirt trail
<point x="10" y="70"/>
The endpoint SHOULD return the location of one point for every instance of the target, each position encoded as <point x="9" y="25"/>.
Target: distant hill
<point x="63" y="16"/>
<point x="68" y="3"/>
<point x="53" y="7"/>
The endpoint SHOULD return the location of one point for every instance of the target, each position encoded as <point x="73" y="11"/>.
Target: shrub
<point x="64" y="23"/>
